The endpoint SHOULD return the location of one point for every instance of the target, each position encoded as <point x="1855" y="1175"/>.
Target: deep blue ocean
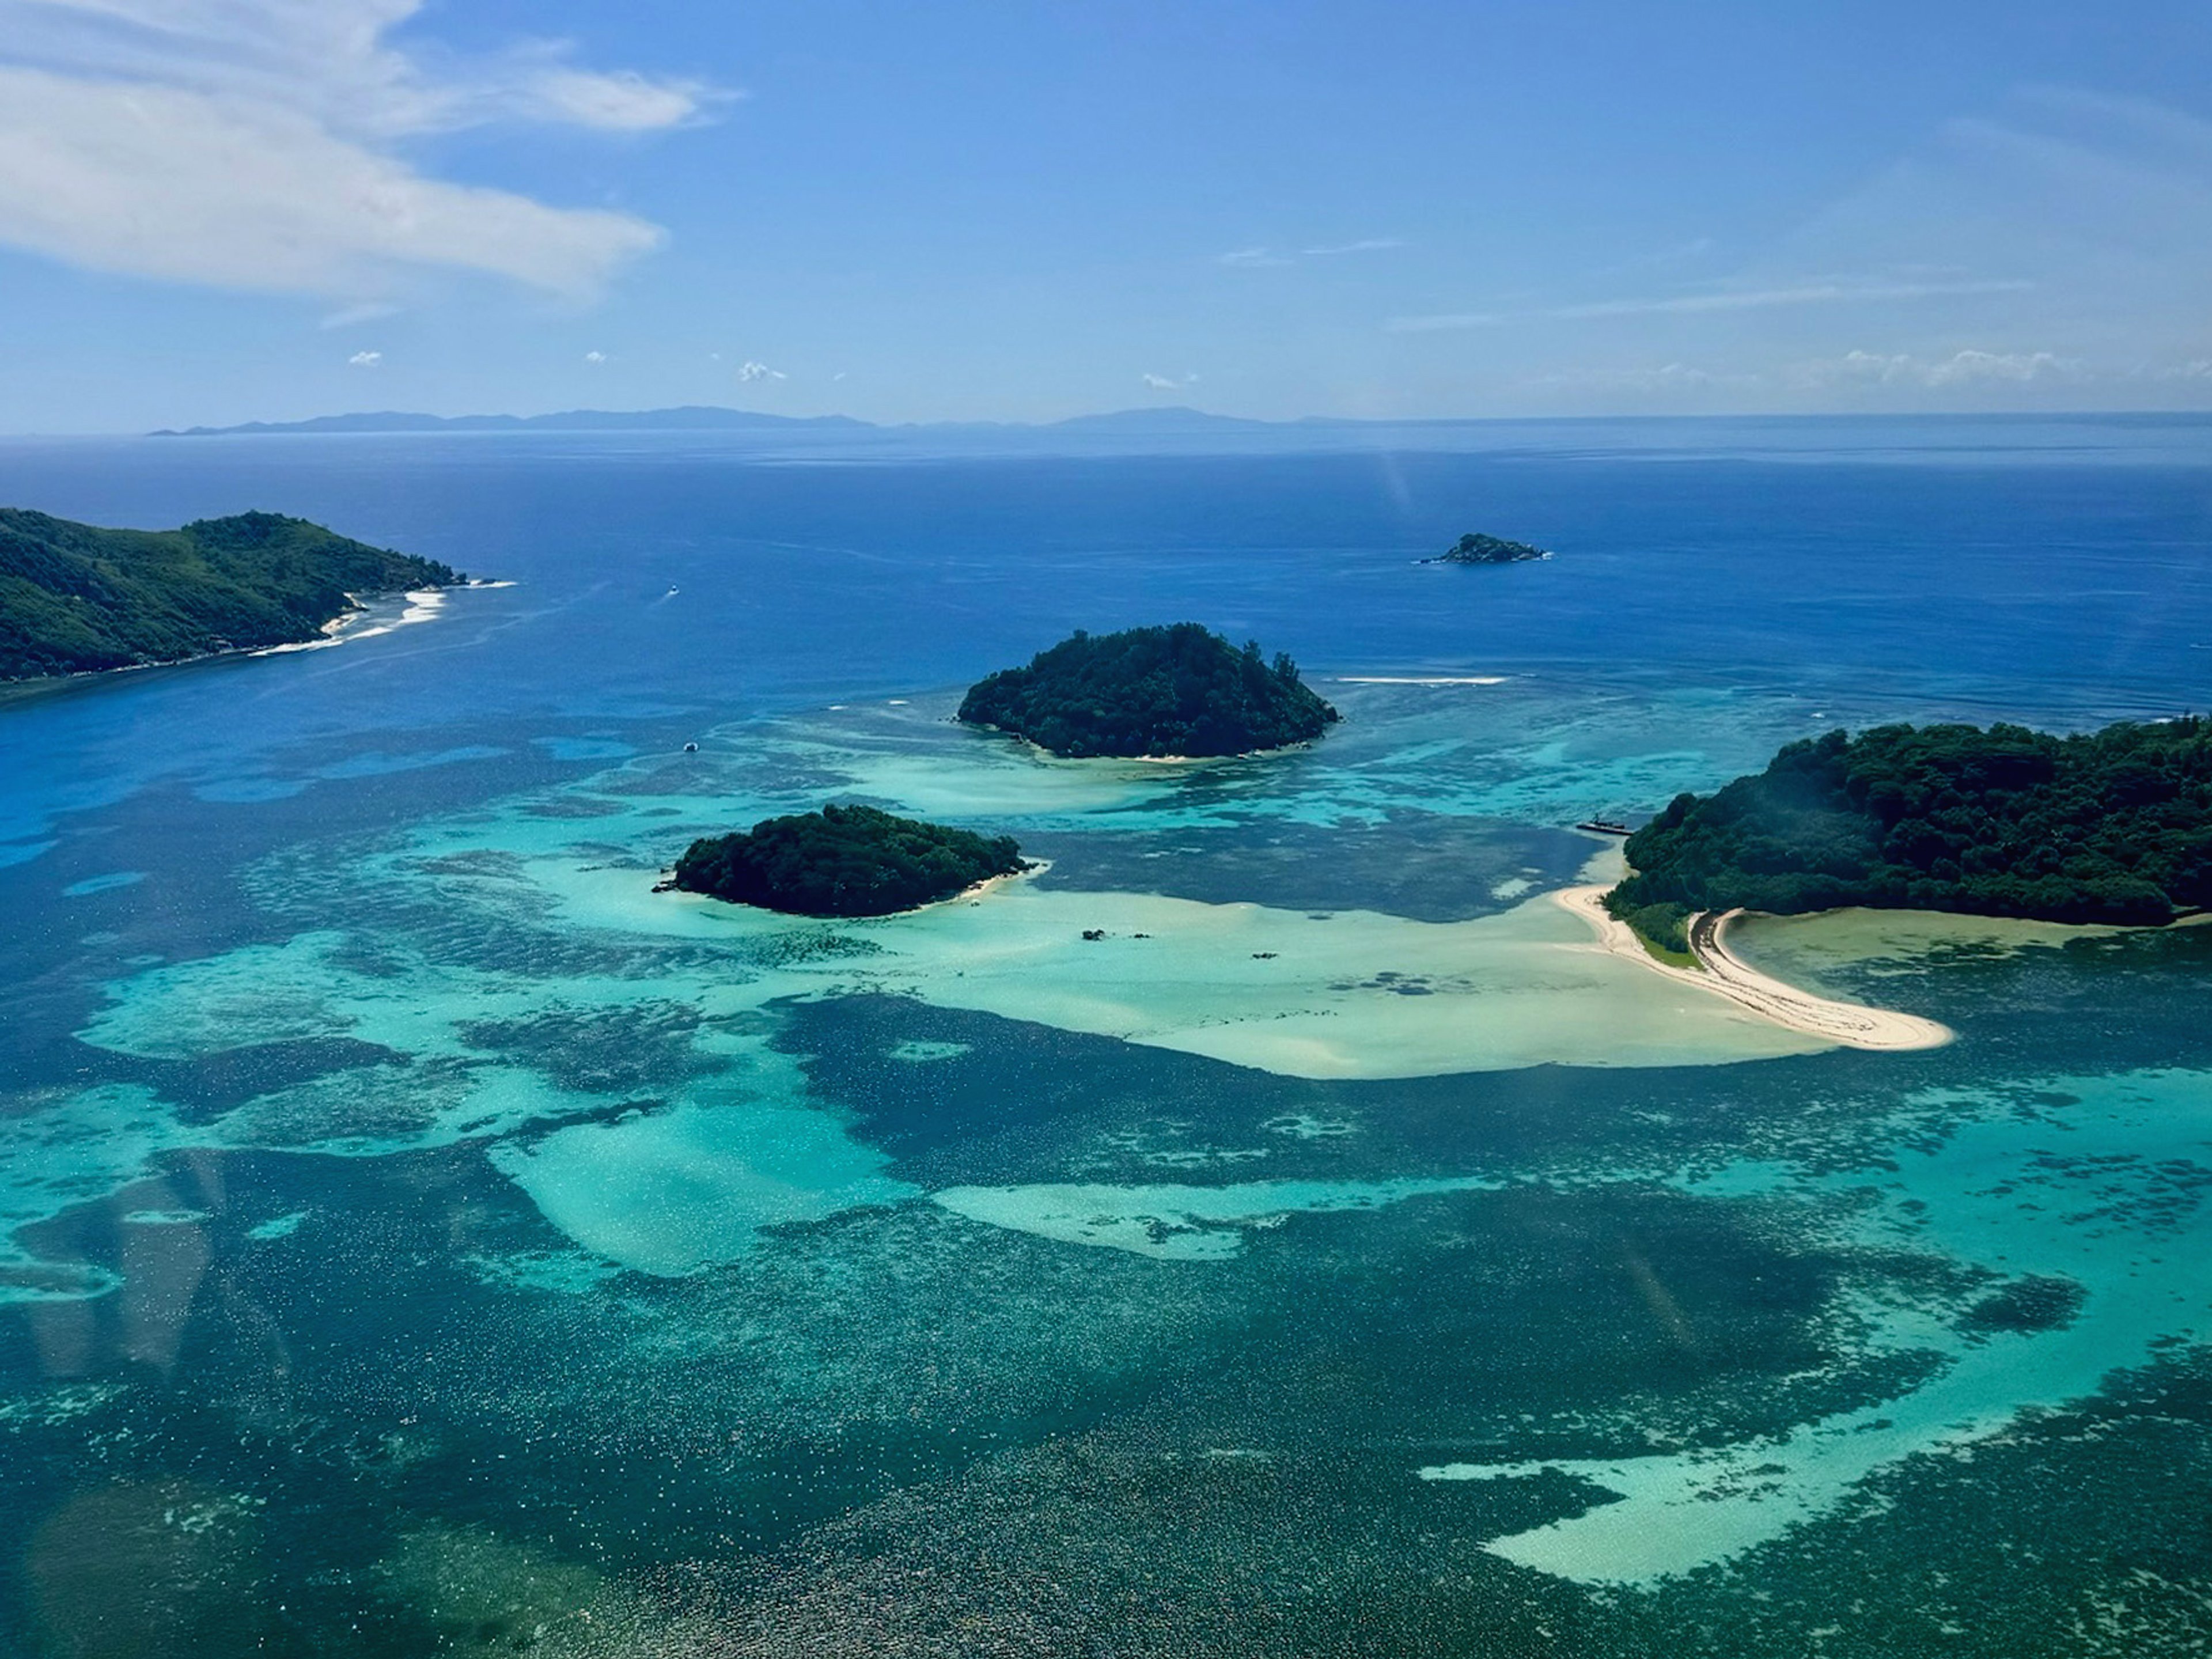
<point x="415" y="1236"/>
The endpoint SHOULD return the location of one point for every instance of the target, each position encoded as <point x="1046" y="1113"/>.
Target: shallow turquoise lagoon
<point x="418" y="1236"/>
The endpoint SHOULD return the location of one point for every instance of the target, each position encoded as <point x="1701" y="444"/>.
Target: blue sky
<point x="214" y="210"/>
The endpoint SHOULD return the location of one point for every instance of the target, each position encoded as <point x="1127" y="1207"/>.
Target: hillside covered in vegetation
<point x="2110" y="826"/>
<point x="843" y="861"/>
<point x="75" y="597"/>
<point x="1160" y="691"/>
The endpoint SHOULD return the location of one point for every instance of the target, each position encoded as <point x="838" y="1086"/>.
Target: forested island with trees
<point x="1181" y="690"/>
<point x="843" y="861"/>
<point x="1475" y="548"/>
<point x="75" y="598"/>
<point x="2107" y="826"/>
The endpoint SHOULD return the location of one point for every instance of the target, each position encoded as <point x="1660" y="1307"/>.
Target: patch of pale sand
<point x="1723" y="973"/>
<point x="1354" y="994"/>
<point x="421" y="605"/>
<point x="1726" y="972"/>
<point x="670" y="1191"/>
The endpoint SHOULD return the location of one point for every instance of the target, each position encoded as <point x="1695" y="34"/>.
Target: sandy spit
<point x="1726" y="975"/>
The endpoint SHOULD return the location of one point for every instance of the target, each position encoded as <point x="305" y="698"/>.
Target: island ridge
<point x="2112" y="826"/>
<point x="1180" y="691"/>
<point x="75" y="598"/>
<point x="843" y="861"/>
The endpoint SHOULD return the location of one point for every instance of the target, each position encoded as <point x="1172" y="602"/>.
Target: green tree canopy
<point x="843" y="861"/>
<point x="1181" y="690"/>
<point x="75" y="597"/>
<point x="2110" y="826"/>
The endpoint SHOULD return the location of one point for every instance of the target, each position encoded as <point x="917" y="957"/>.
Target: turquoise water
<point x="415" y="1234"/>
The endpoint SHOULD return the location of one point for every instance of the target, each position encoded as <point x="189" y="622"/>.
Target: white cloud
<point x="1254" y="259"/>
<point x="2054" y="250"/>
<point x="1167" y="382"/>
<point x="368" y="311"/>
<point x="1443" y="321"/>
<point x="1364" y="245"/>
<point x="1803" y="294"/>
<point x="1837" y="291"/>
<point x="1665" y="377"/>
<point x="251" y="144"/>
<point x="749" y="372"/>
<point x="330" y="57"/>
<point x="365" y="359"/>
<point x="595" y="358"/>
<point x="1964" y="368"/>
<point x="621" y="102"/>
<point x="1958" y="368"/>
<point x="2104" y="205"/>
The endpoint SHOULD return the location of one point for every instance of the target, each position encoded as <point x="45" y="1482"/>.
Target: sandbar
<point x="1722" y="973"/>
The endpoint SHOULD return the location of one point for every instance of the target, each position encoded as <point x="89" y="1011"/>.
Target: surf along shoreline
<point x="1720" y="972"/>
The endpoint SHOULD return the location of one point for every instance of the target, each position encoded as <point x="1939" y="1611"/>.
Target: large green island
<point x="1178" y="691"/>
<point x="843" y="861"/>
<point x="2108" y="826"/>
<point x="75" y="598"/>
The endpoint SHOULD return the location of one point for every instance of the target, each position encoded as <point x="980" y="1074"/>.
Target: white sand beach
<point x="1723" y="973"/>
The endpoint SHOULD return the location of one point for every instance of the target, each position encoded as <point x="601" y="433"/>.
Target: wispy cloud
<point x="1970" y="366"/>
<point x="1364" y="245"/>
<point x="365" y="359"/>
<point x="368" y="311"/>
<point x="1722" y="300"/>
<point x="331" y="59"/>
<point x="1264" y="258"/>
<point x="1167" y="382"/>
<point x="250" y="144"/>
<point x="595" y="358"/>
<point x="748" y="372"/>
<point x="2105" y="205"/>
<point x="1663" y="377"/>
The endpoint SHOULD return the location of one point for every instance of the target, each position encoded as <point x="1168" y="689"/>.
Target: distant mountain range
<point x="701" y="418"/>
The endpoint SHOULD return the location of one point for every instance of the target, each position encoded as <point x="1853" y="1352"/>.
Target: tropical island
<point x="1476" y="549"/>
<point x="843" y="861"/>
<point x="1182" y="691"/>
<point x="75" y="598"/>
<point x="2112" y="826"/>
